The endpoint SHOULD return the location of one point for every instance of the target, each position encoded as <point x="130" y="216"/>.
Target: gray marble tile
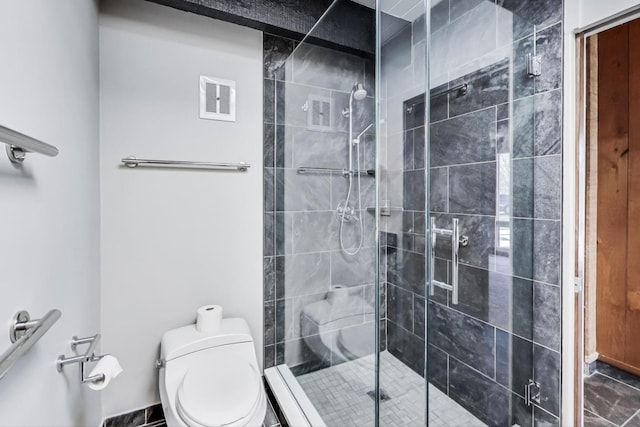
<point x="610" y="399"/>
<point x="284" y="146"/>
<point x="547" y="312"/>
<point x="549" y="47"/>
<point x="542" y="418"/>
<point x="548" y="123"/>
<point x="413" y="189"/>
<point x="593" y="420"/>
<point x="439" y="15"/>
<point x="315" y="231"/>
<point x="406" y="346"/>
<point x="400" y="307"/>
<point x="521" y="414"/>
<point x="484" y="295"/>
<point x="406" y="269"/>
<point x="546" y="371"/>
<point x="439" y="189"/>
<point x="523" y="84"/>
<point x="472" y="189"/>
<point x="269" y="278"/>
<point x="302" y="192"/>
<point x="488" y="86"/>
<point x="302" y="274"/>
<point x="514" y="361"/>
<point x="268" y="145"/>
<point x="485" y="399"/>
<point x="268" y="240"/>
<point x="291" y="98"/>
<point x="407" y="150"/>
<point x="269" y="101"/>
<point x="618" y="374"/>
<point x="481" y="232"/>
<point x="414" y="112"/>
<point x="352" y="270"/>
<point x="439" y="104"/>
<point x="437" y="363"/>
<point x="523" y="127"/>
<point x="133" y="418"/>
<point x="538" y="253"/>
<point x="503" y="136"/>
<point x="269" y="311"/>
<point x="283" y="229"/>
<point x="502" y="111"/>
<point x="522" y="308"/>
<point x="463" y="337"/>
<point x="466" y="139"/>
<point x="318" y="66"/>
<point x="634" y="421"/>
<point x="275" y="52"/>
<point x="527" y="13"/>
<point x="268" y="189"/>
<point x="419" y="316"/>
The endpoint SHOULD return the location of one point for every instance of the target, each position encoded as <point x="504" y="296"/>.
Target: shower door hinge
<point x="578" y="285"/>
<point x="534" y="65"/>
<point x="532" y="392"/>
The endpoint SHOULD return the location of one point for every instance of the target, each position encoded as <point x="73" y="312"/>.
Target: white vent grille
<point x="217" y="99"/>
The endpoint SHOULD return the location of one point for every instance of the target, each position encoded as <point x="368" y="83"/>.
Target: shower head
<point x="358" y="92"/>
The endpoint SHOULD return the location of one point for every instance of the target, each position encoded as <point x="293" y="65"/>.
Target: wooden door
<point x="618" y="216"/>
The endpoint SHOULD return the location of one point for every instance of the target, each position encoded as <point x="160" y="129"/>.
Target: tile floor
<point x="339" y="393"/>
<point x="611" y="398"/>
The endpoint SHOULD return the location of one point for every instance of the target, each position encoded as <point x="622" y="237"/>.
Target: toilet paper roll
<point x="110" y="367"/>
<point x="209" y="318"/>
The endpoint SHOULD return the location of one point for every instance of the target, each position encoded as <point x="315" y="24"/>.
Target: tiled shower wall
<point x="495" y="163"/>
<point x="303" y="260"/>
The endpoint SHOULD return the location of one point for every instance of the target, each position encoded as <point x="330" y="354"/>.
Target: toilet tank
<point x="187" y="339"/>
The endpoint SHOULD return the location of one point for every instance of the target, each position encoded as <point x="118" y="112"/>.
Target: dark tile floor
<point x="611" y="398"/>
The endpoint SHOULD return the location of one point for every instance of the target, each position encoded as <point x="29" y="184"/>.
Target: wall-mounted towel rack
<point x="134" y="162"/>
<point x="24" y="333"/>
<point x="18" y="145"/>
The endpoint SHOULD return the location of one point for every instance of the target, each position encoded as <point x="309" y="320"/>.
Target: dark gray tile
<point x="269" y="278"/>
<point x="400" y="307"/>
<point x="502" y="112"/>
<point x="472" y="189"/>
<point x="538" y="253"/>
<point x="284" y="145"/>
<point x="523" y="127"/>
<point x="485" y="399"/>
<point x="407" y="150"/>
<point x="414" y="190"/>
<point x="439" y="189"/>
<point x="439" y="104"/>
<point x="618" y="374"/>
<point x="283" y="233"/>
<point x="610" y="399"/>
<point x="523" y="84"/>
<point x="514" y="361"/>
<point x="547" y="312"/>
<point x="439" y="15"/>
<point x="521" y="414"/>
<point x="269" y="322"/>
<point x="522" y="308"/>
<point x="503" y="136"/>
<point x="134" y="419"/>
<point x="406" y="346"/>
<point x="291" y="98"/>
<point x="268" y="141"/>
<point x="406" y="269"/>
<point x="270" y="418"/>
<point x="484" y="295"/>
<point x="488" y="87"/>
<point x="419" y="147"/>
<point x="414" y="113"/>
<point x="269" y="356"/>
<point x="527" y="13"/>
<point x="546" y="371"/>
<point x="269" y="101"/>
<point x="634" y="422"/>
<point x="548" y="123"/>
<point x="593" y="420"/>
<point x="318" y="66"/>
<point x="463" y="337"/>
<point x="269" y="189"/>
<point x="549" y="47"/>
<point x="315" y="232"/>
<point x="437" y="365"/>
<point x="466" y="139"/>
<point x="275" y="52"/>
<point x="419" y="316"/>
<point x="269" y="244"/>
<point x="542" y="418"/>
<point x="323" y="149"/>
<point x="302" y="274"/>
<point x="479" y="229"/>
<point x="154" y="414"/>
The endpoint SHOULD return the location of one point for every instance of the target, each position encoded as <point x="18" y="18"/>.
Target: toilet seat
<point x="219" y="391"/>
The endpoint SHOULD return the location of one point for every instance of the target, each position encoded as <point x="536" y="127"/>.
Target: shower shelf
<point x="385" y="210"/>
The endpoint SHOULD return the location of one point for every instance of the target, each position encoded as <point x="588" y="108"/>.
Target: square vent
<point x="217" y="99"/>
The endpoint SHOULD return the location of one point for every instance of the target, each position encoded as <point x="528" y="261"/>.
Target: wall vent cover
<point x="217" y="99"/>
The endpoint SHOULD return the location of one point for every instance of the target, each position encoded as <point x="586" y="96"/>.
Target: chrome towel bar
<point x="24" y="333"/>
<point x="88" y="356"/>
<point x="134" y="162"/>
<point x="18" y="145"/>
<point x="313" y="170"/>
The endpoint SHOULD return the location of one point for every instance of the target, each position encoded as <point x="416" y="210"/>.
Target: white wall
<point x="592" y="11"/>
<point x="174" y="240"/>
<point x="49" y="247"/>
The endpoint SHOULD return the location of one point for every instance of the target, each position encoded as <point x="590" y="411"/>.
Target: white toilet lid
<point x="219" y="391"/>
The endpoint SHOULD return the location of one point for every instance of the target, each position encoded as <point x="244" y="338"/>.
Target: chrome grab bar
<point x="24" y="333"/>
<point x="456" y="241"/>
<point x="19" y="144"/>
<point x="88" y="356"/>
<point x="134" y="162"/>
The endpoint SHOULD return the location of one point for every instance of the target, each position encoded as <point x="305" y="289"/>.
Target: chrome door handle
<point x="456" y="241"/>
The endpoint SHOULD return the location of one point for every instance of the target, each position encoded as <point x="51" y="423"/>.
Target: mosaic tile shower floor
<point x="339" y="393"/>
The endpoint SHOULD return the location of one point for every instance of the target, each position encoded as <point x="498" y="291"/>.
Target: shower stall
<point x="413" y="214"/>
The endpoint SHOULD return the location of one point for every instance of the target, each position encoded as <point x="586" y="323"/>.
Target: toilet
<point x="211" y="379"/>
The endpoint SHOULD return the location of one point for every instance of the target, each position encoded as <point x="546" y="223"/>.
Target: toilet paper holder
<point x="88" y="356"/>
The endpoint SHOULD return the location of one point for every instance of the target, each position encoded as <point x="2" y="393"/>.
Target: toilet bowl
<point x="211" y="379"/>
<point x="338" y="328"/>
